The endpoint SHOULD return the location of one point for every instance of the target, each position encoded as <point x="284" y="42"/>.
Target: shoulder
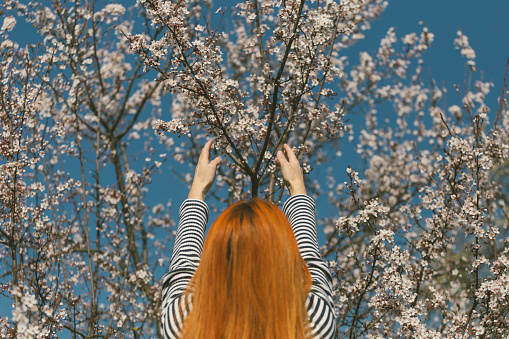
<point x="321" y="316"/>
<point x="174" y="315"/>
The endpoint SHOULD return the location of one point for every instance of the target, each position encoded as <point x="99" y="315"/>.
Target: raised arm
<point x="300" y="211"/>
<point x="193" y="216"/>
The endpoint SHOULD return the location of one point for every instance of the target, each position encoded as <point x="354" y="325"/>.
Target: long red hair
<point x="251" y="281"/>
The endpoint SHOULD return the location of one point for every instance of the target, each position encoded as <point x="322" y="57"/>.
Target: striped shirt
<point x="193" y="217"/>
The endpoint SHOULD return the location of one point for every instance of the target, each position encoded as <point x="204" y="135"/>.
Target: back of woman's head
<point x="251" y="281"/>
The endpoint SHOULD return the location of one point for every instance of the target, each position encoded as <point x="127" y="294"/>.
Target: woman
<point x="260" y="274"/>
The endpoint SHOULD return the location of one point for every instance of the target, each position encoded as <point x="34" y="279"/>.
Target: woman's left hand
<point x="205" y="174"/>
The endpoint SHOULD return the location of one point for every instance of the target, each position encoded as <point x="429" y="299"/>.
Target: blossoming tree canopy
<point x="272" y="79"/>
<point x="416" y="236"/>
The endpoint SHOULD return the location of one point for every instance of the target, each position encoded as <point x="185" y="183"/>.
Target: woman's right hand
<point x="291" y="171"/>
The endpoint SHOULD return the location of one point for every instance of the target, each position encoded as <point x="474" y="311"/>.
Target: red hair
<point x="251" y="281"/>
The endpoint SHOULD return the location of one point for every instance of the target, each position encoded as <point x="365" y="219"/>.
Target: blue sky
<point x="484" y="22"/>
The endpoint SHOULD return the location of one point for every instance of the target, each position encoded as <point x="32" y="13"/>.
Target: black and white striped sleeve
<point x="193" y="217"/>
<point x="300" y="210"/>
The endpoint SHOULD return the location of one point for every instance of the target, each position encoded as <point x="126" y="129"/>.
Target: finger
<point x="290" y="154"/>
<point x="281" y="159"/>
<point x="205" y="152"/>
<point x="216" y="162"/>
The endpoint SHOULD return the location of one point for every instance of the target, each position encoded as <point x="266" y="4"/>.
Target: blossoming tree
<point x="418" y="243"/>
<point x="79" y="245"/>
